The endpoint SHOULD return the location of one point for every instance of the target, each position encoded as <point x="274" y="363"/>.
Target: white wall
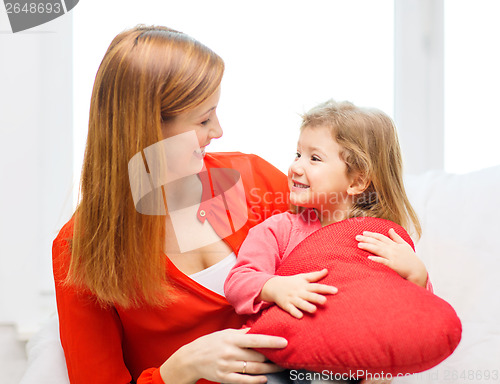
<point x="35" y="164"/>
<point x="282" y="57"/>
<point x="472" y="81"/>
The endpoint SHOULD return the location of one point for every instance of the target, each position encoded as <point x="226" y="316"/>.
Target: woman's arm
<point x="91" y="335"/>
<point x="222" y="356"/>
<point x="93" y="353"/>
<point x="92" y="338"/>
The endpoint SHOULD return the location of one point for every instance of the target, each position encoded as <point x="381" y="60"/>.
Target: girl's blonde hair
<point x="370" y="149"/>
<point x="147" y="76"/>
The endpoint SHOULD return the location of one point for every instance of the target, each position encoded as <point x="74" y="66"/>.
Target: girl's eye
<point x="297" y="155"/>
<point x="315" y="158"/>
<point x="205" y="122"/>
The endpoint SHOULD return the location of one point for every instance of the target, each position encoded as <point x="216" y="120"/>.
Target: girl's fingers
<point x="294" y="311"/>
<point x="377" y="236"/>
<point x="368" y="240"/>
<point x="305" y="306"/>
<point x="314" y="298"/>
<point x="372" y="248"/>
<point x="315" y="276"/>
<point x="323" y="289"/>
<point x="395" y="237"/>
<point x="380" y="260"/>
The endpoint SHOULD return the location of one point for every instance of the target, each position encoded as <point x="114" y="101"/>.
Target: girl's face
<point x="318" y="176"/>
<point x="187" y="136"/>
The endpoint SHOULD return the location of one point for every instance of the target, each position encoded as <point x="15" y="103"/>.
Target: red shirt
<point x="117" y="345"/>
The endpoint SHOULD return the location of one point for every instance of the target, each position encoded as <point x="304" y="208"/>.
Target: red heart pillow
<point x="377" y="322"/>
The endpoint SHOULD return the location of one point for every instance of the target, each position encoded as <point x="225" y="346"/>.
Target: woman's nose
<point x="215" y="129"/>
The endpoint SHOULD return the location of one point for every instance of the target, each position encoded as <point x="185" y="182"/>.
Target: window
<point x="472" y="81"/>
<point x="282" y="57"/>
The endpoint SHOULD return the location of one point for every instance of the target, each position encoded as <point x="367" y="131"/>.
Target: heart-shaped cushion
<point x="377" y="322"/>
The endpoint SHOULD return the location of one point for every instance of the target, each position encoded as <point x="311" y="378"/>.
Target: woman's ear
<point x="359" y="183"/>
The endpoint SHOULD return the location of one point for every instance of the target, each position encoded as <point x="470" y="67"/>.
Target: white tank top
<point x="214" y="276"/>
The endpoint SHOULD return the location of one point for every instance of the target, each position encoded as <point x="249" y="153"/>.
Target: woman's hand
<point x="297" y="293"/>
<point x="223" y="356"/>
<point x="395" y="253"/>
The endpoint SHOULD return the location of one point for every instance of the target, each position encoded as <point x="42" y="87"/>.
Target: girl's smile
<point x="318" y="176"/>
<point x="296" y="184"/>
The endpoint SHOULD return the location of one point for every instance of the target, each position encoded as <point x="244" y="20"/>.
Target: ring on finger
<point x="244" y="367"/>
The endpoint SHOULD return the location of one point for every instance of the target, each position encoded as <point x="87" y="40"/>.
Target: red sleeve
<point x="270" y="192"/>
<point x="265" y="186"/>
<point x="90" y="335"/>
<point x="259" y="257"/>
<point x="150" y="376"/>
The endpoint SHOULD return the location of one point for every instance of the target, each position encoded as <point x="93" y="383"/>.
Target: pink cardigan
<point x="260" y="255"/>
<point x="262" y="252"/>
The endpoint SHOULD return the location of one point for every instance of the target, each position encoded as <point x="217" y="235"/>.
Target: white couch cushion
<point x="460" y="217"/>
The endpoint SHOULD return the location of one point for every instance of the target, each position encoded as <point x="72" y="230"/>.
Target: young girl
<point x="348" y="164"/>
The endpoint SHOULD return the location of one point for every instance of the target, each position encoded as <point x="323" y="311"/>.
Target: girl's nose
<point x="296" y="168"/>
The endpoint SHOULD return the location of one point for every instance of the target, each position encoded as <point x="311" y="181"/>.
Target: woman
<point x="139" y="268"/>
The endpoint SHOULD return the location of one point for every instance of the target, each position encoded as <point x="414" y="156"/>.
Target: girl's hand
<point x="395" y="253"/>
<point x="225" y="356"/>
<point x="297" y="293"/>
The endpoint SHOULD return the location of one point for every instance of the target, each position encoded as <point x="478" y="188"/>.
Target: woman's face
<point x="187" y="136"/>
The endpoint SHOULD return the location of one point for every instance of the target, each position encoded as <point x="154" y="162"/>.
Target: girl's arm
<point x="395" y="253"/>
<point x="252" y="284"/>
<point x="257" y="261"/>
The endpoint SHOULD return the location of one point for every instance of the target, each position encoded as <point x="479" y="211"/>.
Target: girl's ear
<point x="359" y="183"/>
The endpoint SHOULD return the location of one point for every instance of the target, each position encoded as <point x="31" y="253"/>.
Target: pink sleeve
<point x="428" y="285"/>
<point x="259" y="257"/>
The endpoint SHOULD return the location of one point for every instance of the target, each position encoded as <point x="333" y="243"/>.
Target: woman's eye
<point x="205" y="122"/>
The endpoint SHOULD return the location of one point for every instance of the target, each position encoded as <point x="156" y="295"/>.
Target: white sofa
<point x="460" y="247"/>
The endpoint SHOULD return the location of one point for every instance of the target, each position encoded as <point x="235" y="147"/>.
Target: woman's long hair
<point x="147" y="76"/>
<point x="370" y="148"/>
